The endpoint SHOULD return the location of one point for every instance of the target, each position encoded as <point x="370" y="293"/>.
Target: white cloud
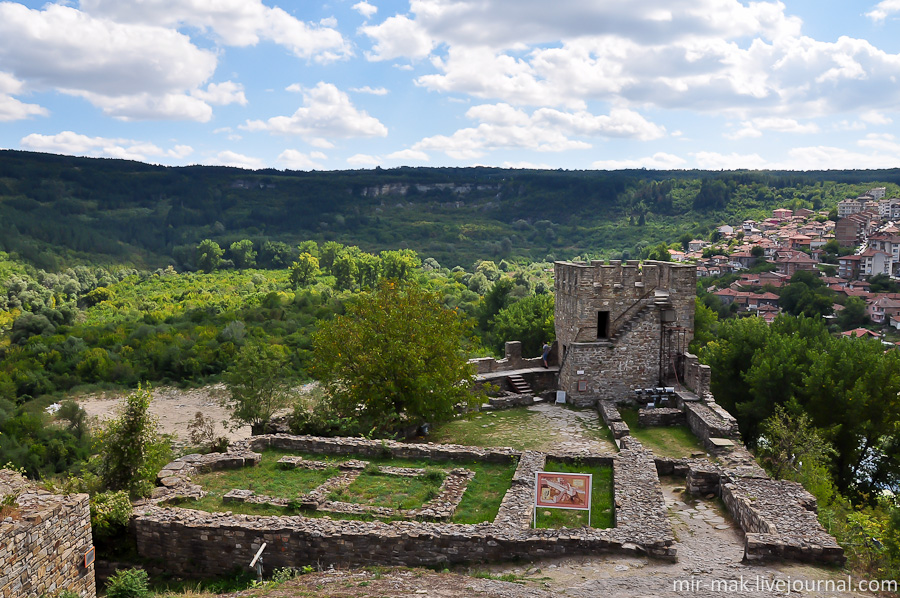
<point x="883" y="10"/>
<point x="129" y="71"/>
<point x="409" y="155"/>
<point x="229" y="158"/>
<point x="875" y="117"/>
<point x="363" y="160"/>
<point x="545" y="130"/>
<point x="234" y="22"/>
<point x="658" y="161"/>
<point x="69" y="142"/>
<point x="526" y="165"/>
<point x="296" y="160"/>
<point x="326" y="112"/>
<point x="365" y="9"/>
<point x="222" y="94"/>
<point x="756" y="126"/>
<point x="376" y="91"/>
<point x="732" y="161"/>
<point x="398" y="37"/>
<point x="11" y="108"/>
<point x="510" y="23"/>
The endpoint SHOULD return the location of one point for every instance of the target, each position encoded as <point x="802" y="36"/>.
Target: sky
<point x="350" y="84"/>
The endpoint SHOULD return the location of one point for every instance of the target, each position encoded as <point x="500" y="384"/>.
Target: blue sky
<point x="345" y="84"/>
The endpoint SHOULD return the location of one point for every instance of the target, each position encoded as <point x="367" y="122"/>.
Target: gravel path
<point x="573" y="431"/>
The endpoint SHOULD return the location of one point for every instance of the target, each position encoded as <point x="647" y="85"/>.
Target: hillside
<point x="59" y="211"/>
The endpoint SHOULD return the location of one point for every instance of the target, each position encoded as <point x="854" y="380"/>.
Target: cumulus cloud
<point x="327" y="112"/>
<point x="756" y="126"/>
<point x="234" y="22"/>
<point x="658" y="161"/>
<point x="376" y="91"/>
<point x="732" y="161"/>
<point x="397" y="37"/>
<point x="875" y="117"/>
<point x="69" y="142"/>
<point x="296" y="160"/>
<point x="546" y="130"/>
<point x="222" y="94"/>
<point x="883" y="10"/>
<point x="10" y="107"/>
<point x="365" y="9"/>
<point x="229" y="158"/>
<point x="363" y="160"/>
<point x="409" y="155"/>
<point x="129" y="71"/>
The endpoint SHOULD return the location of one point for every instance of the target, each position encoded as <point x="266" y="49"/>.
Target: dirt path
<point x="572" y="431"/>
<point x="175" y="408"/>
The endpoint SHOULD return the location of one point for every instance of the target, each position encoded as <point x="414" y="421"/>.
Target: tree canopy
<point x="397" y="357"/>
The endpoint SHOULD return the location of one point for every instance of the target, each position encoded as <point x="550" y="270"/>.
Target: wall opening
<point x="602" y="324"/>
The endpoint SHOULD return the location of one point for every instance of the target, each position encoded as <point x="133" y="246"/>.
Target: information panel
<point x="563" y="490"/>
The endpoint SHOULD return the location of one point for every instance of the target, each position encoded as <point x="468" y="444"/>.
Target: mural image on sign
<point x="563" y="490"/>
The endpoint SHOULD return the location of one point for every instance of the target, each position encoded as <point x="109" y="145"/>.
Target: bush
<point x="128" y="583"/>
<point x="110" y="512"/>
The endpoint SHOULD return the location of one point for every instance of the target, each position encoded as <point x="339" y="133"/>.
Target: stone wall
<point x="696" y="376"/>
<point x="44" y="540"/>
<point x="193" y="542"/>
<point x="623" y="351"/>
<point x="779" y="521"/>
<point x="661" y="416"/>
<point x="512" y="360"/>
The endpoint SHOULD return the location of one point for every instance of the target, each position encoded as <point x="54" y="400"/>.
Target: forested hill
<point x="60" y="210"/>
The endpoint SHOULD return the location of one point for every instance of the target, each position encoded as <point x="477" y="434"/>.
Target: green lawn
<point x="669" y="441"/>
<point x="480" y="502"/>
<point x="601" y="499"/>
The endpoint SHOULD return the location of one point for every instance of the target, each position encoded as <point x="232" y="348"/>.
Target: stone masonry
<point x="43" y="540"/>
<point x="619" y="325"/>
<point x="196" y="542"/>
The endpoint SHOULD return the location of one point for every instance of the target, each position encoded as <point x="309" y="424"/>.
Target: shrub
<point x="110" y="512"/>
<point x="128" y="583"/>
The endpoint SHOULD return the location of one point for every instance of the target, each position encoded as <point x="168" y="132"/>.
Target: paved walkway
<point x="573" y="431"/>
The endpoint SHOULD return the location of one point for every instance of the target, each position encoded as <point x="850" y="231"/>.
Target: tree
<point x="257" y="384"/>
<point x="328" y="253"/>
<point x="395" y="358"/>
<point x="790" y="443"/>
<point x="853" y="315"/>
<point x="399" y="264"/>
<point x="242" y="254"/>
<point x="304" y="270"/>
<point x="209" y="255"/>
<point x="529" y="321"/>
<point x="345" y="271"/>
<point x="130" y="448"/>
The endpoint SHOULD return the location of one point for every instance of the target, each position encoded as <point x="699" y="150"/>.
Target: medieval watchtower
<point x="621" y="326"/>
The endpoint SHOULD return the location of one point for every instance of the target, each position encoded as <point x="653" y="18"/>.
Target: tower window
<point x="603" y="324"/>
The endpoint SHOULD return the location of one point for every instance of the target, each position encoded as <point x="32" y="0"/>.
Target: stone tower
<point x="621" y="326"/>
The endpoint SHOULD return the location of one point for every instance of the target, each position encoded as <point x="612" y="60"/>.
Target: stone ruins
<point x="620" y="327"/>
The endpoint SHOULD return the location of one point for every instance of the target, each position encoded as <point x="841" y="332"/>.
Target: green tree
<point x="659" y="253"/>
<point x="396" y="357"/>
<point x="130" y="449"/>
<point x="853" y="315"/>
<point x="242" y="254"/>
<point x="209" y="255"/>
<point x="345" y="271"/>
<point x="257" y="384"/>
<point x="399" y="264"/>
<point x="310" y="247"/>
<point x="369" y="270"/>
<point x="304" y="270"/>
<point x="529" y="321"/>
<point x="790" y="443"/>
<point x="706" y="322"/>
<point x="328" y="253"/>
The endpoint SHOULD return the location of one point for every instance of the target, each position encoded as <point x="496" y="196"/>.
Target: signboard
<point x="89" y="557"/>
<point x="562" y="490"/>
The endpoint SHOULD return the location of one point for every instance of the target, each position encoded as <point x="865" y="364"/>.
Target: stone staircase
<point x="659" y="300"/>
<point x="519" y="385"/>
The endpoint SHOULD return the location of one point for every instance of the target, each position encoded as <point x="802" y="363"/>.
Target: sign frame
<point x="89" y="557"/>
<point x="574" y="484"/>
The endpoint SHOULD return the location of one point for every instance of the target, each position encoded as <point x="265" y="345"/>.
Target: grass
<point x="479" y="504"/>
<point x="670" y="441"/>
<point x="491" y="429"/>
<point x="382" y="490"/>
<point x="519" y="428"/>
<point x="601" y="499"/>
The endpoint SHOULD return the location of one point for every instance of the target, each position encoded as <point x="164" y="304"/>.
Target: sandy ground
<point x="174" y="408"/>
